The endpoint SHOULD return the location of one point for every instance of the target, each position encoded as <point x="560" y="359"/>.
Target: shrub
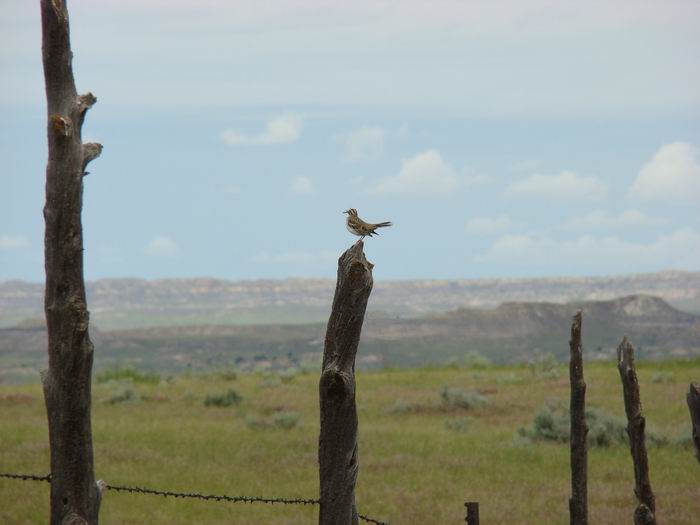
<point x="287" y="375"/>
<point x="228" y="374"/>
<point x="458" y="398"/>
<point x="270" y="380"/>
<point x="228" y="399"/>
<point x="662" y="377"/>
<point x="459" y="424"/>
<point x="127" y="374"/>
<point x="123" y="396"/>
<point x="256" y="422"/>
<point x="402" y="406"/>
<point x="553" y="423"/>
<point x="684" y="440"/>
<point x="311" y="363"/>
<point x="605" y="430"/>
<point x="452" y="363"/>
<point x="549" y="424"/>
<point x="476" y="360"/>
<point x="286" y="420"/>
<point x="544" y="366"/>
<point x="509" y="378"/>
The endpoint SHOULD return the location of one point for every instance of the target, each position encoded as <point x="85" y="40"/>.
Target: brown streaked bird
<point x="362" y="229"/>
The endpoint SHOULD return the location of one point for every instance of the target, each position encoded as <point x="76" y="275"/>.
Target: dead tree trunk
<point x="75" y="498"/>
<point x="644" y="514"/>
<point x="578" y="503"/>
<point x="693" y="400"/>
<point x="337" y="447"/>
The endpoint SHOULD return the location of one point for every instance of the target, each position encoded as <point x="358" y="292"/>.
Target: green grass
<point x="126" y="375"/>
<point x="416" y="466"/>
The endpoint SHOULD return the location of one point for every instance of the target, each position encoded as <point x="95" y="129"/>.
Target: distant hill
<point x="516" y="331"/>
<point x="512" y="332"/>
<point x="131" y="303"/>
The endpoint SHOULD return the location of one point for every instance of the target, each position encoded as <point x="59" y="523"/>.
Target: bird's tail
<point x="383" y="224"/>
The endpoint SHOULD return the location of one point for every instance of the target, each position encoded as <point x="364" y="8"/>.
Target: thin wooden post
<point x="693" y="399"/>
<point x="337" y="447"/>
<point x="75" y="496"/>
<point x="645" y="511"/>
<point x="472" y="513"/>
<point x="578" y="503"/>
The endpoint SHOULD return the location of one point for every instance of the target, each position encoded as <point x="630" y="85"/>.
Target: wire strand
<point x="192" y="495"/>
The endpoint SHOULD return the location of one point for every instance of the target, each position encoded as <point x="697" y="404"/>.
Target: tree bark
<point x="75" y="497"/>
<point x="645" y="512"/>
<point x="472" y="513"/>
<point x="693" y="400"/>
<point x="337" y="448"/>
<point x="578" y="503"/>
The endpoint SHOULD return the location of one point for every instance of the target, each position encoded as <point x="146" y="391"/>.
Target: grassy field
<point x="419" y="458"/>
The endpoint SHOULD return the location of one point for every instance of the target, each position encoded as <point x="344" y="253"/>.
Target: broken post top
<point x="625" y="355"/>
<point x="355" y="255"/>
<point x="352" y="292"/>
<point x="354" y="274"/>
<point x="576" y="326"/>
<point x="575" y="346"/>
<point x="628" y="375"/>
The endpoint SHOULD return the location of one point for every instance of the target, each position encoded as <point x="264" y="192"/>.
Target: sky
<point x="508" y="138"/>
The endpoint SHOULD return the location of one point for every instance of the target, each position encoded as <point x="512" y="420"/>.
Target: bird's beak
<point x="345" y="211"/>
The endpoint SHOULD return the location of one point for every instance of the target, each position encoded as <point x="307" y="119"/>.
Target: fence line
<point x="192" y="495"/>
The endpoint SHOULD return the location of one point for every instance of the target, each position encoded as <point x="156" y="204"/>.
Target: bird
<point x="362" y="229"/>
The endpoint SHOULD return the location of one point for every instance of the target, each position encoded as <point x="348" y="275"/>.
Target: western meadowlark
<point x="362" y="229"/>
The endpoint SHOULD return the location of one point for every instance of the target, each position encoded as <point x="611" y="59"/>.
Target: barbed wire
<point x="192" y="495"/>
<point x="209" y="497"/>
<point x="26" y="477"/>
<point x="370" y="520"/>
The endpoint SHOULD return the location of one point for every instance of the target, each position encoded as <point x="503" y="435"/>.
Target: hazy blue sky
<point x="502" y="138"/>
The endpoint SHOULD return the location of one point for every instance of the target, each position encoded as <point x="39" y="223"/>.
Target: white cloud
<point x="426" y="173"/>
<point x="273" y="46"/>
<point x="364" y="144"/>
<point x="679" y="249"/>
<point x="284" y="129"/>
<point x="301" y="186"/>
<point x="566" y="185"/>
<point x="674" y="171"/>
<point x="599" y="219"/>
<point x="471" y="177"/>
<point x="161" y="246"/>
<point x="13" y="242"/>
<point x="488" y="225"/>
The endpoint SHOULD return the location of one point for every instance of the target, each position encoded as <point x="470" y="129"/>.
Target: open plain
<point x="421" y="455"/>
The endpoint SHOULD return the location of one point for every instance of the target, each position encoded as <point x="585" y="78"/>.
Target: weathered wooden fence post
<point x="693" y="399"/>
<point x="75" y="498"/>
<point x="472" y="513"/>
<point x="644" y="514"/>
<point x="337" y="447"/>
<point x="578" y="503"/>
